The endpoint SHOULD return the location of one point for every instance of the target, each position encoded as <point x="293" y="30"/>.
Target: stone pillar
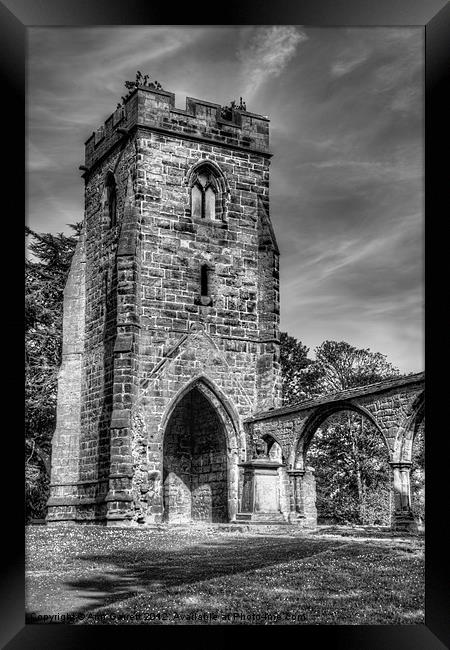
<point x="303" y="497"/>
<point x="261" y="492"/>
<point x="403" y="518"/>
<point x="296" y="514"/>
<point x="309" y="497"/>
<point x="62" y="503"/>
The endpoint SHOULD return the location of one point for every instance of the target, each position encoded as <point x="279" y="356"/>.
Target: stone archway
<point x="311" y="485"/>
<point x="197" y="461"/>
<point x="317" y="418"/>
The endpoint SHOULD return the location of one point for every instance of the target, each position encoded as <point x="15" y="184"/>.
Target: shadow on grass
<point x="127" y="576"/>
<point x="127" y="573"/>
<point x="375" y="532"/>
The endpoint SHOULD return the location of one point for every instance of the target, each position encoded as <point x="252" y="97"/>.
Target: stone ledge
<point x="74" y="500"/>
<point x="110" y="498"/>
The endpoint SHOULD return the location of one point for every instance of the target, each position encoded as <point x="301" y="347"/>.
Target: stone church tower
<point x="171" y="323"/>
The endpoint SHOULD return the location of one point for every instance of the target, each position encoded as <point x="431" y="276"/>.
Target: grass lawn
<point x="98" y="575"/>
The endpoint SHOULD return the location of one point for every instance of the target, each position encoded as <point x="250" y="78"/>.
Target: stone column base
<point x="404" y="521"/>
<point x="119" y="511"/>
<point x="61" y="510"/>
<point x="297" y="519"/>
<point x="60" y="522"/>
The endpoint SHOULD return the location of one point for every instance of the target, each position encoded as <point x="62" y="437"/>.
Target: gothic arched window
<point x="111" y="199"/>
<point x="203" y="194"/>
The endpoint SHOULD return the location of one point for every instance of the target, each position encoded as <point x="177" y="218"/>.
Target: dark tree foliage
<point x="337" y="366"/>
<point x="46" y="270"/>
<point x="299" y="373"/>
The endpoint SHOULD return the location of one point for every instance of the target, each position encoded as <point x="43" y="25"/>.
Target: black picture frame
<point x="18" y="15"/>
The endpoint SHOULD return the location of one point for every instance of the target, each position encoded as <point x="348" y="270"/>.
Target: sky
<point x="347" y="135"/>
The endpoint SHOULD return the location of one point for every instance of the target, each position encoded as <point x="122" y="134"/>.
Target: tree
<point x="46" y="272"/>
<point x="299" y="373"/>
<point x="353" y="477"/>
<point x="341" y="366"/>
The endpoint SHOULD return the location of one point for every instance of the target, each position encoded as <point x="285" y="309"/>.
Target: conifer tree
<point x="46" y="270"/>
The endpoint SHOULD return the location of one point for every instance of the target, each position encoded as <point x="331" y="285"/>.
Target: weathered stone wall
<point x="174" y="248"/>
<point x="209" y="463"/>
<point x="394" y="411"/>
<point x="177" y="465"/>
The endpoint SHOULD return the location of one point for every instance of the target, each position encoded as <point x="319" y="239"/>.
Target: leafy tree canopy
<point x="337" y="366"/>
<point x="341" y="366"/>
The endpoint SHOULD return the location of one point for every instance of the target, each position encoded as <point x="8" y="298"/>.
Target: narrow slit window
<point x="204" y="280"/>
<point x="111" y="198"/>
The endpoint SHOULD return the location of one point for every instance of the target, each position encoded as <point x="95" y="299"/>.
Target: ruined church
<point x="169" y="394"/>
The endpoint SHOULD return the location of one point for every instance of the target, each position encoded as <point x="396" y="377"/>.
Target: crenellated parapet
<point x="154" y="109"/>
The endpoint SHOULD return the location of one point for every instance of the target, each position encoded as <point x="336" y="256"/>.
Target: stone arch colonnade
<point x="395" y="407"/>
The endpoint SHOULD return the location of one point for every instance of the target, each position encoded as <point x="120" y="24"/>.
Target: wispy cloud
<point x="266" y="54"/>
<point x="365" y="253"/>
<point x="346" y="65"/>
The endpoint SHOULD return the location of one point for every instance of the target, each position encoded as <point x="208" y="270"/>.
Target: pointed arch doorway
<point x="199" y="460"/>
